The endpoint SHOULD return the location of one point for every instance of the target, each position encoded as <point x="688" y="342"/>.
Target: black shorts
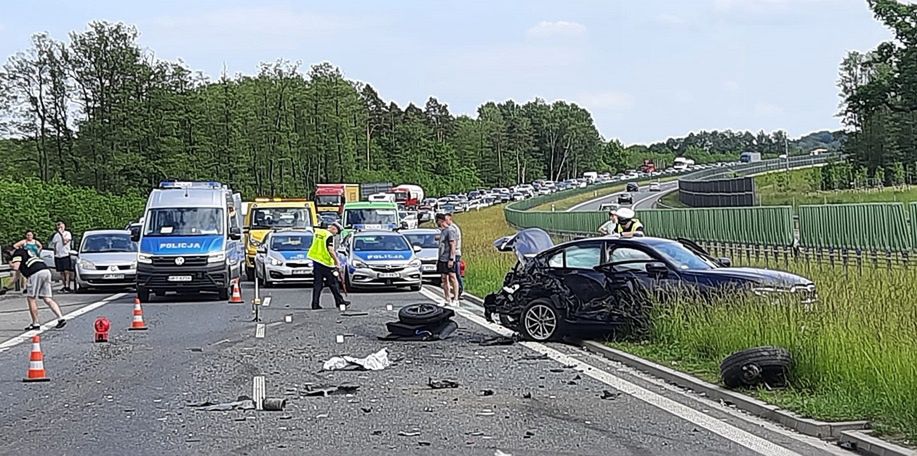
<point x="63" y="264"/>
<point x="442" y="267"/>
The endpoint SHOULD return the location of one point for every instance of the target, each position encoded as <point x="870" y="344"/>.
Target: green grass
<point x="802" y="186"/>
<point x="670" y="201"/>
<point x="855" y="352"/>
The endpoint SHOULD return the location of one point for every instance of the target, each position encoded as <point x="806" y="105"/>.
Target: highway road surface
<point x="145" y="392"/>
<point x="644" y="199"/>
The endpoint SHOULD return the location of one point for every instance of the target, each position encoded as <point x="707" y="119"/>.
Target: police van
<point x="190" y="240"/>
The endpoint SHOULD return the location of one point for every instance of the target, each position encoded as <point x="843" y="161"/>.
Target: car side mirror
<point x="235" y="233"/>
<point x="135" y="233"/>
<point x="417" y="248"/>
<point x="724" y="262"/>
<point x="657" y="269"/>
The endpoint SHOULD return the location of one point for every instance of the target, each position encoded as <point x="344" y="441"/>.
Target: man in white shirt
<point x="60" y="242"/>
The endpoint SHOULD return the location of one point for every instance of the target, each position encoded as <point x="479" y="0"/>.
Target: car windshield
<point x="425" y="241"/>
<point x="370" y="217"/>
<point x="105" y="243"/>
<point x="291" y="242"/>
<point x="328" y="200"/>
<point x="184" y="221"/>
<point x="683" y="258"/>
<point x="267" y="218"/>
<point x="380" y="243"/>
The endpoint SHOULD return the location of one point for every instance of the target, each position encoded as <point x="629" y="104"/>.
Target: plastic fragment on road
<point x="498" y="340"/>
<point x="441" y="384"/>
<point x="374" y="362"/>
<point x="243" y="403"/>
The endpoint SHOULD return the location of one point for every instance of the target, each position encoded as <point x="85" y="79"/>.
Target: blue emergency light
<point x="188" y="184"/>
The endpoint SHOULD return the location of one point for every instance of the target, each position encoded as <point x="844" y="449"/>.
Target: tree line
<point x="879" y="107"/>
<point x="98" y="110"/>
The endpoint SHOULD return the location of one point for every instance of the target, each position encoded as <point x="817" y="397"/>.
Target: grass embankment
<point x="670" y="201"/>
<point x="803" y="186"/>
<point x="855" y="352"/>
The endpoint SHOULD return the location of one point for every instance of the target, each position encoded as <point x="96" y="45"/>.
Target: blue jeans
<point x="458" y="273"/>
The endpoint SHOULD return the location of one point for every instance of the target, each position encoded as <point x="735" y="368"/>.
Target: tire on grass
<point x="753" y="366"/>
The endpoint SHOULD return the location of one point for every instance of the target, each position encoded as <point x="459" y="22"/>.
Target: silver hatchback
<point x="106" y="259"/>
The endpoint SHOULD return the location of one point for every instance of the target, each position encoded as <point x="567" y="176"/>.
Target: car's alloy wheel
<point x="540" y="322"/>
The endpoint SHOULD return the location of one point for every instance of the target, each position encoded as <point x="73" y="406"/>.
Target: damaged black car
<point x="608" y="284"/>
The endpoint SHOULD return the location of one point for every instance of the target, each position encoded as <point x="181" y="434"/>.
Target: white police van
<point x="190" y="240"/>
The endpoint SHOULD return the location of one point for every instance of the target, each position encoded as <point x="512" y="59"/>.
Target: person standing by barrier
<point x="628" y="224"/>
<point x="31" y="245"/>
<point x="39" y="285"/>
<point x="326" y="267"/>
<point x="445" y="261"/>
<point x="60" y="242"/>
<point x="460" y="281"/>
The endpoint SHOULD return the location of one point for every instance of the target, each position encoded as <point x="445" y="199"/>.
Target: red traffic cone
<point x="137" y="322"/>
<point x="36" y="372"/>
<point x="236" y="297"/>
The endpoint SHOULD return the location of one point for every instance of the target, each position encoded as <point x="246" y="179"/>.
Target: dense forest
<point x="99" y="110"/>
<point x="879" y="108"/>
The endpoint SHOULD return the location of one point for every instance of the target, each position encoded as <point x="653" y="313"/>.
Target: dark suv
<point x="633" y="187"/>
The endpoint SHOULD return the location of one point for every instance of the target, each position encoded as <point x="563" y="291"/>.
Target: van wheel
<point x="143" y="294"/>
<point x="540" y="321"/>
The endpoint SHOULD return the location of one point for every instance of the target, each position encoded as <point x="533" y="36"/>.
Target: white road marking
<point x="266" y="302"/>
<point x="665" y="404"/>
<point x="10" y="343"/>
<point x="259" y="331"/>
<point x="258" y="391"/>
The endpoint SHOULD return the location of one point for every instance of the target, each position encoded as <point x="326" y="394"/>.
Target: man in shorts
<point x="38" y="278"/>
<point x="445" y="262"/>
<point x="460" y="282"/>
<point x="60" y="242"/>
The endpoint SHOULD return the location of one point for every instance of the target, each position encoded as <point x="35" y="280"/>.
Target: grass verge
<point x="802" y="187"/>
<point x="855" y="352"/>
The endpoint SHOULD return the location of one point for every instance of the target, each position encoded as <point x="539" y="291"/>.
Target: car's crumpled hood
<point x="525" y="243"/>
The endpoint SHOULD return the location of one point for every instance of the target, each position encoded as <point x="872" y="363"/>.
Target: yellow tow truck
<point x="268" y="214"/>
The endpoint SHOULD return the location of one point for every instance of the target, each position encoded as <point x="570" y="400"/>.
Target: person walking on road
<point x="326" y="267"/>
<point x="39" y="285"/>
<point x="445" y="262"/>
<point x="458" y="257"/>
<point x="611" y="225"/>
<point x="628" y="224"/>
<point x="31" y="245"/>
<point x="60" y="242"/>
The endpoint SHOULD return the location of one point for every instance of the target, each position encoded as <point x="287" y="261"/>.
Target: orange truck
<point x="332" y="197"/>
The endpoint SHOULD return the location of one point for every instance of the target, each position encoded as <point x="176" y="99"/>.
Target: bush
<point x="37" y="206"/>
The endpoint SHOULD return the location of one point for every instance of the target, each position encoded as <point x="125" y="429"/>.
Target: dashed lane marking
<point x="665" y="404"/>
<point x="258" y="391"/>
<point x="10" y="343"/>
<point x="259" y="331"/>
<point x="266" y="302"/>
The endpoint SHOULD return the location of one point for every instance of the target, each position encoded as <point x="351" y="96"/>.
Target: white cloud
<point x="556" y="29"/>
<point x="611" y="100"/>
<point x="768" y="109"/>
<point x="670" y="19"/>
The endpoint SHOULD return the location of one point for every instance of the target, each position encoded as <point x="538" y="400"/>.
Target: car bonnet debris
<point x="374" y="362"/>
<point x="441" y="384"/>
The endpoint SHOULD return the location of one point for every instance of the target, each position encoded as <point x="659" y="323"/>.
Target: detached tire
<point x="421" y="314"/>
<point x="753" y="366"/>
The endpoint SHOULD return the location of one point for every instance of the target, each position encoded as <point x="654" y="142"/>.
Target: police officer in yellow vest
<point x="325" y="265"/>
<point x="628" y="225"/>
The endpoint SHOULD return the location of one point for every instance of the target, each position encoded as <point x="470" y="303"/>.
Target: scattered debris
<point x="273" y="404"/>
<point x="571" y="382"/>
<point x="424" y="443"/>
<point x="539" y="357"/>
<point x="324" y="391"/>
<point x="486" y="413"/>
<point x="498" y="340"/>
<point x="528" y="435"/>
<point x="374" y="362"/>
<point x="354" y="314"/>
<point x="366" y="409"/>
<point x="500" y="453"/>
<point x="195" y="349"/>
<point x="609" y="395"/>
<point x="487" y="392"/>
<point x="421" y="322"/>
<point x="556" y="370"/>
<point x="441" y="384"/>
<point x="376" y="432"/>
<point x="527" y="395"/>
<point x="408" y="433"/>
<point x="242" y="403"/>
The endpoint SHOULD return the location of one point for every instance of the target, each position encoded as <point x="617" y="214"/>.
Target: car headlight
<point x="275" y="261"/>
<point x="414" y="263"/>
<point x="218" y="257"/>
<point x="144" y="258"/>
<point x="86" y="264"/>
<point x="359" y="264"/>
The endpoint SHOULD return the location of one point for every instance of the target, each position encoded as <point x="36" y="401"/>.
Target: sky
<point x="647" y="70"/>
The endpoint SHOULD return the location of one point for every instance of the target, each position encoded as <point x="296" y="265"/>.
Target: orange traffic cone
<point x="236" y="297"/>
<point x="36" y="372"/>
<point x="137" y="322"/>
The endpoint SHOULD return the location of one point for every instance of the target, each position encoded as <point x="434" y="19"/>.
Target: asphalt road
<point x="644" y="199"/>
<point x="136" y="394"/>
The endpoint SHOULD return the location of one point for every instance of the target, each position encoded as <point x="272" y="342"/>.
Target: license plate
<point x="429" y="267"/>
<point x="300" y="271"/>
<point x="112" y="276"/>
<point x="388" y="275"/>
<point x="179" y="278"/>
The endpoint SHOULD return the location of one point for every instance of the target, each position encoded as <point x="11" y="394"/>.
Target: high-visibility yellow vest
<point x="635" y="225"/>
<point x="319" y="252"/>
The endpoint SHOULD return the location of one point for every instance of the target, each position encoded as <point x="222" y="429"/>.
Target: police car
<point x="283" y="258"/>
<point x="380" y="259"/>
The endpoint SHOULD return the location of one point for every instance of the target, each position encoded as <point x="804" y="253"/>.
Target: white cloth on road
<point x="376" y="361"/>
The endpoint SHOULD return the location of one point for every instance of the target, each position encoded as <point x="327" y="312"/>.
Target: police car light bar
<point x="187" y="184"/>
